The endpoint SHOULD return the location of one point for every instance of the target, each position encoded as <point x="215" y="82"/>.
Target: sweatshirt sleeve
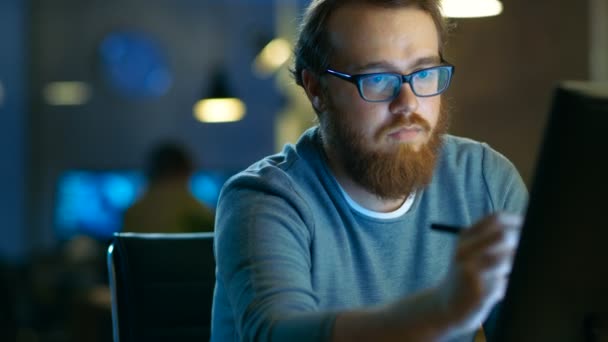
<point x="508" y="193"/>
<point x="263" y="235"/>
<point x="505" y="186"/>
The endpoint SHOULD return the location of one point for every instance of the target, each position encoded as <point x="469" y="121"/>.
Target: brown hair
<point x="312" y="50"/>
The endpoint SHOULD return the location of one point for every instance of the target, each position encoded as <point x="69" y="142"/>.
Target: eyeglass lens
<point x="427" y="82"/>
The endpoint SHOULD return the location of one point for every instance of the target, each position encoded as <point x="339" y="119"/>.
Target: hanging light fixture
<point x="471" y="8"/>
<point x="221" y="105"/>
<point x="67" y="93"/>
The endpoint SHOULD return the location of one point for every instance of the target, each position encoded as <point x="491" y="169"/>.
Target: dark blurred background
<point x="137" y="68"/>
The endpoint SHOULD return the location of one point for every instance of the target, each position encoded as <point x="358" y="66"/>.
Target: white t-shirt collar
<point x="402" y="210"/>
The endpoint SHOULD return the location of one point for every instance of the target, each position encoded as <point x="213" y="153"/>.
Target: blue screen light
<point x="121" y="190"/>
<point x="206" y="187"/>
<point x="93" y="202"/>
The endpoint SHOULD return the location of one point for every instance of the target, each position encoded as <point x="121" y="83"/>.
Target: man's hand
<point x="476" y="281"/>
<point x="478" y="276"/>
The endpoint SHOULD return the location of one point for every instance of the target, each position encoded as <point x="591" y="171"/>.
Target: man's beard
<point x="391" y="174"/>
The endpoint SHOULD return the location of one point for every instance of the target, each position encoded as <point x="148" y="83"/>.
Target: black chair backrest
<point x="162" y="286"/>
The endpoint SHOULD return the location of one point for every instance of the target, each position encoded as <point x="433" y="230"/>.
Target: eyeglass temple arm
<point x="341" y="75"/>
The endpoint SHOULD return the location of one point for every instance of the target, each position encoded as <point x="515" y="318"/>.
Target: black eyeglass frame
<point x="356" y="80"/>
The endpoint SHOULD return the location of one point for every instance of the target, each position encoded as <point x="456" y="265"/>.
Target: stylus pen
<point x="446" y="228"/>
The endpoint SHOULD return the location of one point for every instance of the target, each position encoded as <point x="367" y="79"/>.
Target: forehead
<point x="363" y="34"/>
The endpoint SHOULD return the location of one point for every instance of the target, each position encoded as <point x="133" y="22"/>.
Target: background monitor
<point x="91" y="202"/>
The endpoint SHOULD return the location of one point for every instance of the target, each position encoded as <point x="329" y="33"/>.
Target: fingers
<point x="492" y="223"/>
<point x="479" y="274"/>
<point x="499" y="260"/>
<point x="491" y="242"/>
<point x="485" y="253"/>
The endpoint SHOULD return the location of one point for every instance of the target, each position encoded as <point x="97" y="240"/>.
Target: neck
<point x="358" y="193"/>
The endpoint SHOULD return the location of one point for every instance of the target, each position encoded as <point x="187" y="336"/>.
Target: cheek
<point x="358" y="114"/>
<point x="346" y="99"/>
<point x="369" y="117"/>
<point x="429" y="109"/>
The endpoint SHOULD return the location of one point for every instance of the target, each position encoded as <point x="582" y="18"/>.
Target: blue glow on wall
<point x="135" y="65"/>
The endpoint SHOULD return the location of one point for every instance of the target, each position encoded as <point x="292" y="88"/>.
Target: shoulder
<point x="284" y="172"/>
<point x="480" y="166"/>
<point x="465" y="148"/>
<point x="474" y="155"/>
<point x="268" y="202"/>
<point x="282" y="183"/>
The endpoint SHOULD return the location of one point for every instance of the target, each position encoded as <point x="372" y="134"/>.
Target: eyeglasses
<point x="385" y="86"/>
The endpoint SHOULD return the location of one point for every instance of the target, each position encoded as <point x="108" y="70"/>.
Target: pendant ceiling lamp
<point x="221" y="105"/>
<point x="471" y="8"/>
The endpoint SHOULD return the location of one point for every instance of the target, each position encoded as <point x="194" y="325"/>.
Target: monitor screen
<point x="558" y="288"/>
<point x="91" y="202"/>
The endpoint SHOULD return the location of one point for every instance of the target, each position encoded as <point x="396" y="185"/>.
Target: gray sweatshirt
<point x="291" y="252"/>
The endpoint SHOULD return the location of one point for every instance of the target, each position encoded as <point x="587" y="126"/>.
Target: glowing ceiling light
<point x="272" y="57"/>
<point x="219" y="110"/>
<point x="471" y="8"/>
<point x="66" y="93"/>
<point x="220" y="105"/>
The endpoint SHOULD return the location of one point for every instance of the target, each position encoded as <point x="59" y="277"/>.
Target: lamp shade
<point x="471" y="8"/>
<point x="220" y="105"/>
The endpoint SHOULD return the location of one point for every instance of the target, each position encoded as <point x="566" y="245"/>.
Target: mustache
<point x="402" y="121"/>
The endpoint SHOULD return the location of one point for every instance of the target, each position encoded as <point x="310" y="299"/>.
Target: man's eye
<point x="423" y="74"/>
<point x="378" y="79"/>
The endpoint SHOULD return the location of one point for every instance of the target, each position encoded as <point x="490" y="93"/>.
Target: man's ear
<point x="312" y="86"/>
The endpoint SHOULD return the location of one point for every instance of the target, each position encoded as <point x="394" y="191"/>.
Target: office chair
<point x="161" y="286"/>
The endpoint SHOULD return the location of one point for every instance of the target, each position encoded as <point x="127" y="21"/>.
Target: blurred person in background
<point x="168" y="205"/>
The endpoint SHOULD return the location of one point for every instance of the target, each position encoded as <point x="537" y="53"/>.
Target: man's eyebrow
<point x="429" y="60"/>
<point x="374" y="65"/>
<point x="422" y="61"/>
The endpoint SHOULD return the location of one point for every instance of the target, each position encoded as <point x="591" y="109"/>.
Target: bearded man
<point x="329" y="240"/>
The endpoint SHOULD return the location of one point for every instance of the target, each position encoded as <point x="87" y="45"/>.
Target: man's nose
<point x="406" y="102"/>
